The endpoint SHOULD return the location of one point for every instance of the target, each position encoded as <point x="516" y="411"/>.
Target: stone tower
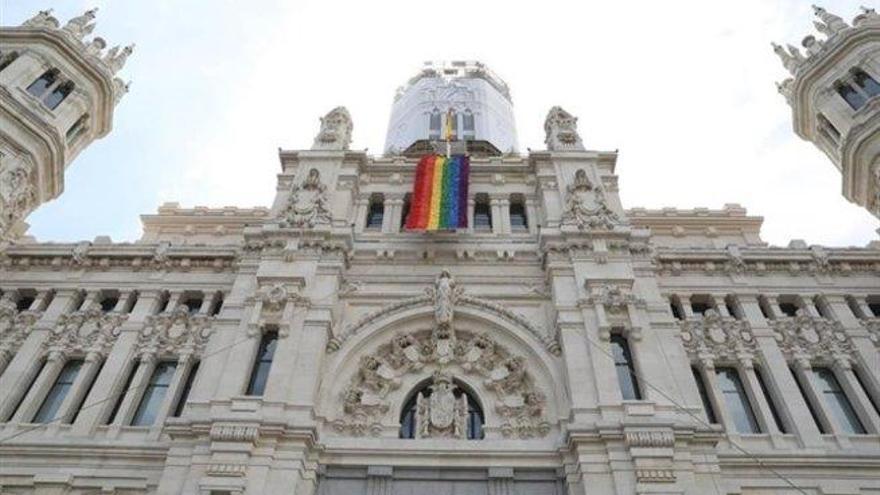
<point x="58" y="93"/>
<point x="832" y="94"/>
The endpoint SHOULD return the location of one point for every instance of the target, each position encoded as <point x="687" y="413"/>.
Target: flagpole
<point x="449" y="115"/>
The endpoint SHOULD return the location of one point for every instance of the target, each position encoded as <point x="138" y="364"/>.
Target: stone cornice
<point x="768" y="259"/>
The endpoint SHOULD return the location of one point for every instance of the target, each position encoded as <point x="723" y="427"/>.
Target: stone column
<point x="710" y="380"/>
<point x="756" y="397"/>
<point x="804" y="372"/>
<point x="577" y="363"/>
<point x="532" y="216"/>
<point x="501" y="481"/>
<point x="497" y="218"/>
<point x="181" y="371"/>
<point x="360" y="214"/>
<point x="504" y="208"/>
<point x="396" y="215"/>
<point x="470" y="214"/>
<point x="37" y="393"/>
<point x="132" y="396"/>
<point x="856" y="395"/>
<point x="81" y="384"/>
<point x="379" y="480"/>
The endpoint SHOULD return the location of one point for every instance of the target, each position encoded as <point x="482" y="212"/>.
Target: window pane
<point x="482" y="215"/>
<point x="852" y="97"/>
<point x="263" y="363"/>
<point x="518" y="216"/>
<point x="810" y="405"/>
<point x="704" y="396"/>
<point x="122" y="393"/>
<point x="53" y="99"/>
<point x="737" y="402"/>
<point x="38" y="87"/>
<point x="154" y="395"/>
<point x="837" y="402"/>
<point x="625" y="372"/>
<point x="867" y="83"/>
<point x="184" y="394"/>
<point x="770" y="402"/>
<point x="52" y="403"/>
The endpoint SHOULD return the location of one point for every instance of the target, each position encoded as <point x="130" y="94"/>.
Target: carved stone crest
<point x="307" y="205"/>
<point x="17" y="197"/>
<point x="560" y="128"/>
<point x="441" y="414"/>
<point x="811" y="337"/>
<point x="717" y="337"/>
<point x="177" y="332"/>
<point x="335" y="132"/>
<point x="585" y="205"/>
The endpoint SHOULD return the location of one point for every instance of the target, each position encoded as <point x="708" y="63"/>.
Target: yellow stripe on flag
<point x="436" y="193"/>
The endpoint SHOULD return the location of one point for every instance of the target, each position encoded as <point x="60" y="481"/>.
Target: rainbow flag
<point x="440" y="193"/>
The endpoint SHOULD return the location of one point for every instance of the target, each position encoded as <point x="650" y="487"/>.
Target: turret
<point x="58" y="91"/>
<point x="833" y="94"/>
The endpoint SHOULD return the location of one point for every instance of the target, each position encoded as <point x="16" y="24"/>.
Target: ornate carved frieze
<point x="717" y="338"/>
<point x="445" y="295"/>
<point x="18" y="196"/>
<point x="758" y="261"/>
<point x="175" y="333"/>
<point x="85" y="331"/>
<point x="14" y="326"/>
<point x="516" y="400"/>
<point x="586" y="206"/>
<point x="873" y="328"/>
<point x="812" y="338"/>
<point x="308" y="204"/>
<point x="234" y="432"/>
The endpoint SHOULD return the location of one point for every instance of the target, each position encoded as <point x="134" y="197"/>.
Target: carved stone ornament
<point x="872" y="326"/>
<point x="717" y="337"/>
<point x="14" y="326"/>
<point x="42" y="19"/>
<point x="87" y="330"/>
<point x="586" y="206"/>
<point x="614" y="297"/>
<point x="116" y="57"/>
<point x="335" y="132"/>
<point x="81" y="25"/>
<point x="17" y="197"/>
<point x="560" y="129"/>
<point x="518" y="403"/>
<point x="308" y="203"/>
<point x="175" y="333"/>
<point x="441" y="415"/>
<point x="812" y="338"/>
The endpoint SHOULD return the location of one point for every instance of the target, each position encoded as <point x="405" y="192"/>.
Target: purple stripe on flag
<point x="464" y="172"/>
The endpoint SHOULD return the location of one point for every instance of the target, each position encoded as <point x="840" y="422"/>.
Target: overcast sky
<point x="684" y="89"/>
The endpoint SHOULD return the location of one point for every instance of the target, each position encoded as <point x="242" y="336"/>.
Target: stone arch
<point x="515" y="377"/>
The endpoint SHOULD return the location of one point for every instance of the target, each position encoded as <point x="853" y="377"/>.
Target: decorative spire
<point x="43" y="18"/>
<point x="81" y="25"/>
<point x="115" y="58"/>
<point x="832" y="24"/>
<point x="788" y="58"/>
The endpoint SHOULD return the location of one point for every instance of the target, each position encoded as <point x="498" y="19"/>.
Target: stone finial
<point x="867" y="15"/>
<point x="120" y="88"/>
<point x="42" y="18"/>
<point x="560" y="128"/>
<point x="785" y="88"/>
<point x="116" y="57"/>
<point x="831" y="23"/>
<point x="788" y="59"/>
<point x="81" y="25"/>
<point x="335" y="133"/>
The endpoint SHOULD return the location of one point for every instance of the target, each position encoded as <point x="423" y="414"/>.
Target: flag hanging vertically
<point x="440" y="192"/>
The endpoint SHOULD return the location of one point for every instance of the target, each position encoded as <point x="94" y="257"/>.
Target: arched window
<point x="866" y="82"/>
<point x="375" y="212"/>
<point x="467" y="125"/>
<point x="482" y="212"/>
<point x="434" y="124"/>
<point x="475" y="417"/>
<point x="53" y="99"/>
<point x="42" y="84"/>
<point x="518" y="220"/>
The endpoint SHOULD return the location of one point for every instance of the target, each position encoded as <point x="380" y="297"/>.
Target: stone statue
<point x="790" y="63"/>
<point x="81" y="25"/>
<point x="17" y="197"/>
<point x="444" y="298"/>
<point x="335" y="133"/>
<point x="95" y="46"/>
<point x="441" y="415"/>
<point x="831" y="24"/>
<point x="867" y="15"/>
<point x="560" y="128"/>
<point x="115" y="58"/>
<point x="585" y="205"/>
<point x="43" y="18"/>
<point x="812" y="45"/>
<point x="308" y="203"/>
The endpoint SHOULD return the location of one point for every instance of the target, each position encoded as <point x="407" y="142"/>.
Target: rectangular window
<point x="629" y="385"/>
<point x="810" y="405"/>
<point x="154" y="395"/>
<point x="263" y="363"/>
<point x="482" y="214"/>
<point x="837" y="401"/>
<point x="675" y="307"/>
<point x="788" y="309"/>
<point x="518" y="219"/>
<point x="42" y="84"/>
<point x="851" y="96"/>
<point x="704" y="396"/>
<point x="184" y="394"/>
<point x="52" y="403"/>
<point x="736" y="400"/>
<point x="770" y="402"/>
<point x="122" y="394"/>
<point x="78" y="407"/>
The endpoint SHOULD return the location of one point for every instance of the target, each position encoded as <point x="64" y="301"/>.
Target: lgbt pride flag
<point x="440" y="193"/>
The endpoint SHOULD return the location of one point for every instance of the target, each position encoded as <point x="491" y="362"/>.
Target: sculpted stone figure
<point x="116" y="57"/>
<point x="335" y="132"/>
<point x="831" y="24"/>
<point x="43" y="18"/>
<point x="560" y="128"/>
<point x="585" y="205"/>
<point x="81" y="25"/>
<point x="17" y="197"/>
<point x="444" y="298"/>
<point x="308" y="203"/>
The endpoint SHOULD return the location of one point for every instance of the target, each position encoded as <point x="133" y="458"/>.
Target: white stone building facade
<point x="561" y="344"/>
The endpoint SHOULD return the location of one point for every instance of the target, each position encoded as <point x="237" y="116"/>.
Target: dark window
<point x="122" y="394"/>
<point x="765" y="308"/>
<point x="866" y="82"/>
<point x="154" y="394"/>
<point x="875" y="309"/>
<point x="828" y="127"/>
<point x="7" y="59"/>
<point x="184" y="394"/>
<point x="263" y="362"/>
<point x="53" y="99"/>
<point x="821" y="308"/>
<point x="475" y="418"/>
<point x="217" y="305"/>
<point x="859" y="378"/>
<point x="699" y="307"/>
<point x="518" y="219"/>
<point x="850" y="95"/>
<point x="78" y="407"/>
<point x="193" y="304"/>
<point x="482" y="213"/>
<point x="467" y="124"/>
<point x="109" y="303"/>
<point x="52" y="403"/>
<point x="788" y="308"/>
<point x="854" y="307"/>
<point x="78" y="300"/>
<point x="434" y="125"/>
<point x="164" y="299"/>
<point x="733" y="307"/>
<point x="675" y="307"/>
<point x="77" y="126"/>
<point x="809" y="403"/>
<point x="376" y="212"/>
<point x="736" y="400"/>
<point x="24" y="303"/>
<point x="770" y="402"/>
<point x="42" y="84"/>
<point x="704" y="396"/>
<point x="626" y="376"/>
<point x="837" y="401"/>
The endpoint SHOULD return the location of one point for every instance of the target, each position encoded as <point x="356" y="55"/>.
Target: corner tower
<point x="476" y="99"/>
<point x="57" y="95"/>
<point x="833" y="97"/>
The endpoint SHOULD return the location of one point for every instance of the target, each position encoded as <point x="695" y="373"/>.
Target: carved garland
<point x="809" y="337"/>
<point x="14" y="326"/>
<point x="175" y="333"/>
<point x="716" y="337"/>
<point x="85" y="331"/>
